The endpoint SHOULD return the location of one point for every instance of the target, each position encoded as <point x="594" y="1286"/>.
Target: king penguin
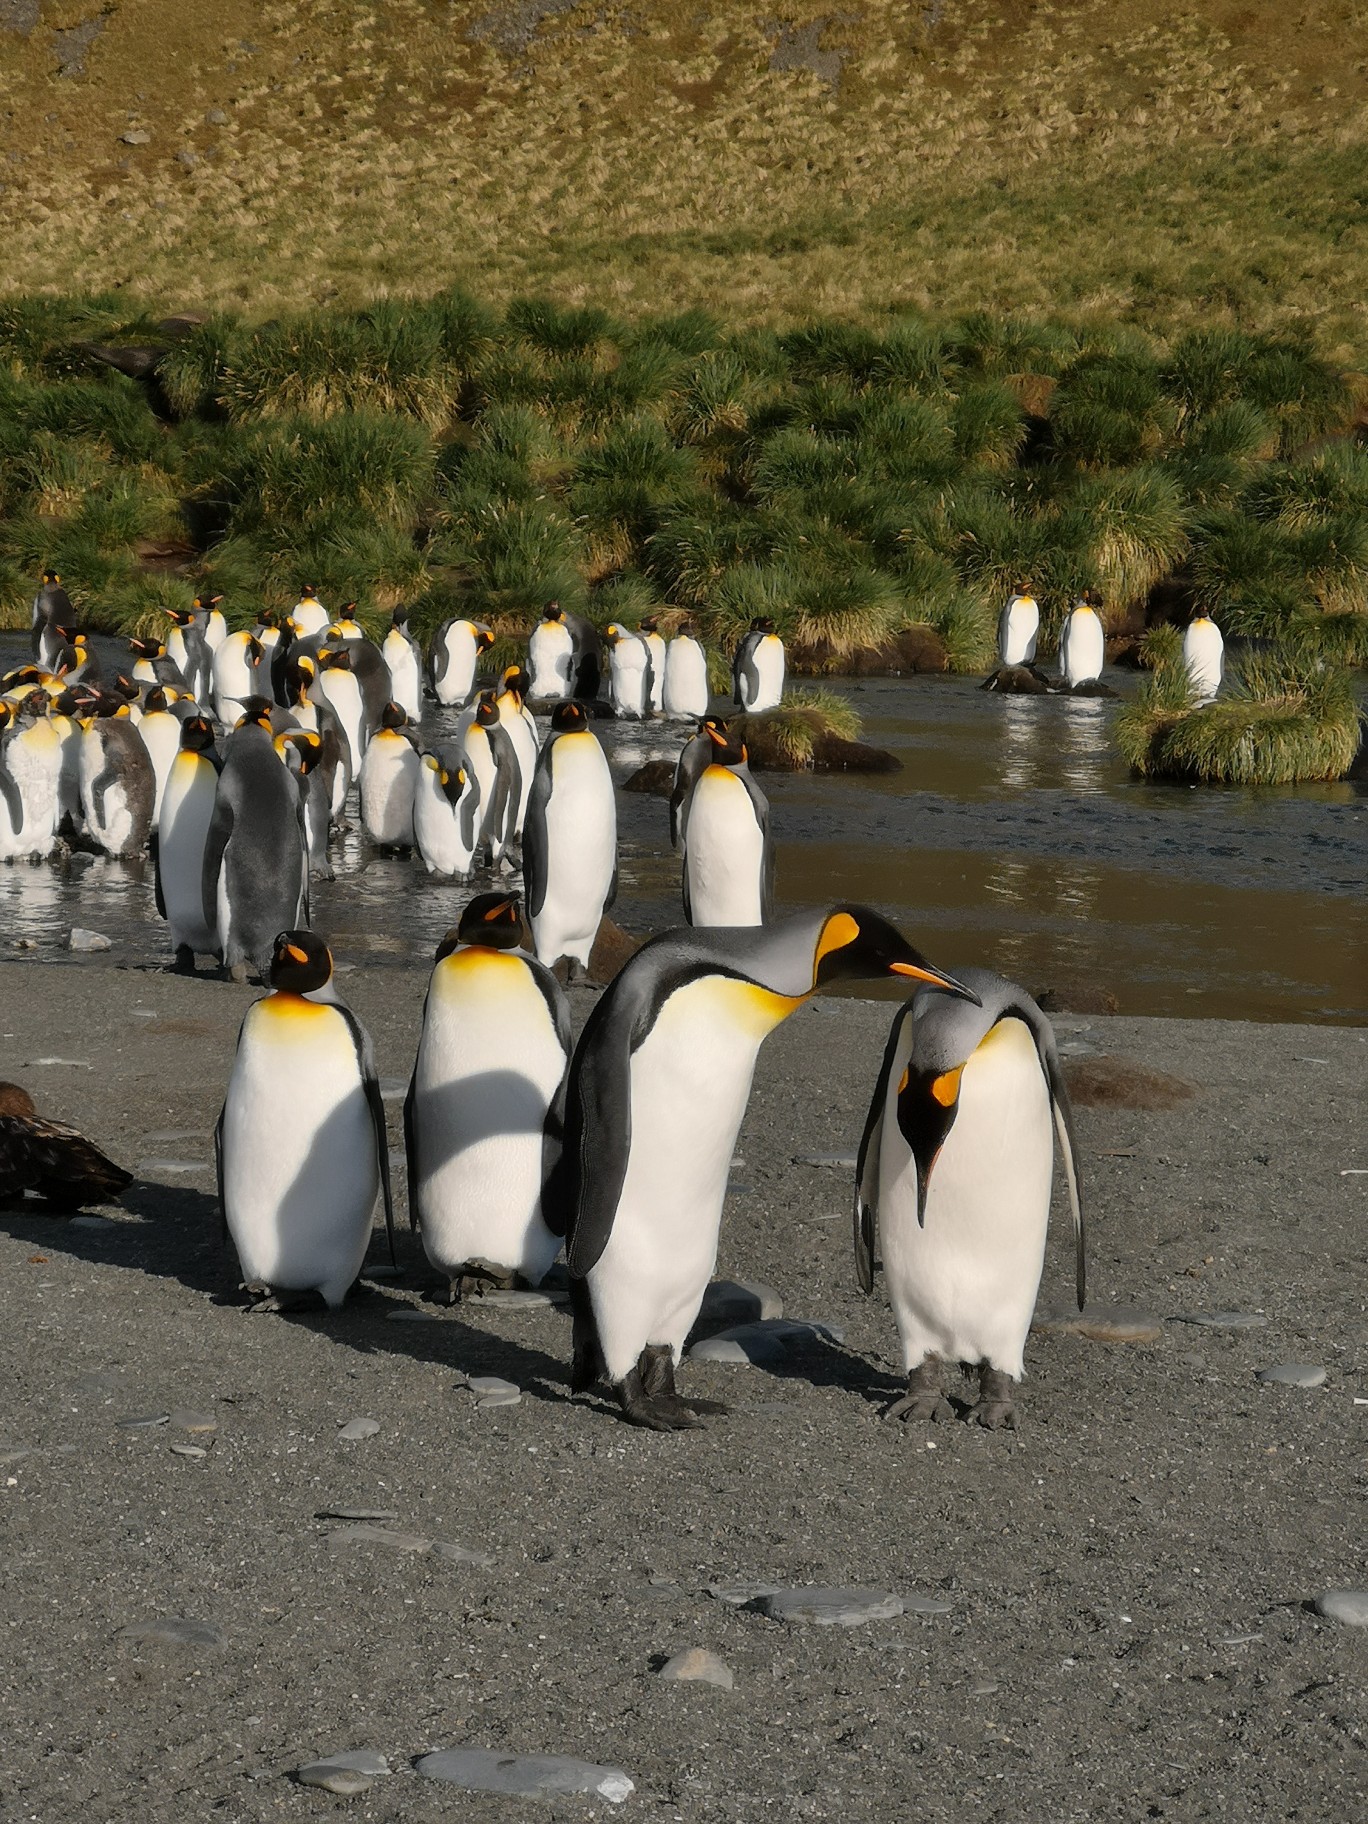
<point x="1018" y="626"/>
<point x="52" y="608"/>
<point x="1204" y="656"/>
<point x="954" y="1171"/>
<point x="118" y="786"/>
<point x="570" y="840"/>
<point x="517" y="719"/>
<point x="1082" y="644"/>
<point x="178" y="852"/>
<point x="446" y="816"/>
<point x="30" y="771"/>
<point x="301" y="1144"/>
<point x="491" y="756"/>
<point x="728" y="872"/>
<point x="551" y="656"/>
<point x="482" y="1122"/>
<point x="404" y="658"/>
<point x="455" y="658"/>
<point x="256" y="873"/>
<point x="693" y="760"/>
<point x="686" y="675"/>
<point x="389" y="778"/>
<point x="758" y="669"/>
<point x="159" y="729"/>
<point x="630" y="671"/>
<point x="658" y="1087"/>
<point x="654" y="641"/>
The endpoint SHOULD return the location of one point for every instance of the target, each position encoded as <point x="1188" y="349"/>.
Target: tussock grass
<point x="1284" y="720"/>
<point x="787" y="738"/>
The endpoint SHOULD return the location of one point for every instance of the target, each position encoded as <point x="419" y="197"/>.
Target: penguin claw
<point x="931" y="1406"/>
<point x="993" y="1415"/>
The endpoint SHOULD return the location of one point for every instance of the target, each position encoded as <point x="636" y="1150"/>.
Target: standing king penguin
<point x="1082" y="644"/>
<point x="685" y="690"/>
<point x="658" y="1087"/>
<point x="1204" y="656"/>
<point x="1018" y="626"/>
<point x="404" y="657"/>
<point x="298" y="1185"/>
<point x="256" y="868"/>
<point x="570" y="840"/>
<point x="758" y="669"/>
<point x="482" y="1121"/>
<point x="455" y="656"/>
<point x="178" y="852"/>
<point x="728" y="868"/>
<point x="955" y="1169"/>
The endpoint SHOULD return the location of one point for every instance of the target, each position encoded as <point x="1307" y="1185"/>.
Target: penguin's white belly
<point x="405" y="683"/>
<point x="1204" y="656"/>
<point x="235" y="679"/>
<point x="550" y="656"/>
<point x="690" y="1081"/>
<point x="769" y="662"/>
<point x="34" y="759"/>
<point x="489" y="1065"/>
<point x="160" y="734"/>
<point x="437" y="828"/>
<point x="480" y="762"/>
<point x="462" y="655"/>
<point x="724" y="853"/>
<point x="581" y="850"/>
<point x="114" y="830"/>
<point x="300" y="1171"/>
<point x="964" y="1287"/>
<point x="629" y="679"/>
<point x="186" y="812"/>
<point x="1019" y="640"/>
<point x="389" y="777"/>
<point x="686" y="679"/>
<point x="344" y="693"/>
<point x="1084" y="648"/>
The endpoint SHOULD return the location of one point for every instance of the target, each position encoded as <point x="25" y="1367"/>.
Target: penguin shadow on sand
<point x="818" y="1360"/>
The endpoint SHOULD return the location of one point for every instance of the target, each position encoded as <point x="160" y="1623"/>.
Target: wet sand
<point x="1128" y="1574"/>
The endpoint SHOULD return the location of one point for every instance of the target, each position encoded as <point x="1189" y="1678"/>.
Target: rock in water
<point x="696" y="1663"/>
<point x="524" y="1775"/>
<point x="1348" y="1606"/>
<point x="827" y="1607"/>
<point x="88" y="940"/>
<point x="1291" y="1374"/>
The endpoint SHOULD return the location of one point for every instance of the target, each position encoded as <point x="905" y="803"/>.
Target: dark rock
<point x="731" y="1301"/>
<point x="1107" y="1082"/>
<point x="1018" y="680"/>
<point x="655" y="778"/>
<point x="1093" y="687"/>
<point x="1077" y="997"/>
<point x="612" y="948"/>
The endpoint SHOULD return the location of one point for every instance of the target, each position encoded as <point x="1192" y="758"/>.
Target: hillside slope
<point x="1098" y="158"/>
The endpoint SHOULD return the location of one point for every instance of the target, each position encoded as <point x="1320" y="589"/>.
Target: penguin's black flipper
<point x="598" y="1124"/>
<point x="410" y="1140"/>
<point x="553" y="1128"/>
<point x="437" y="664"/>
<point x="9" y="792"/>
<point x="534" y="843"/>
<point x="376" y="1103"/>
<point x="154" y="850"/>
<point x="745" y="670"/>
<point x="1061" y="1108"/>
<point x="218" y="1172"/>
<point x="102" y="782"/>
<point x="760" y="805"/>
<point x="867" y="1164"/>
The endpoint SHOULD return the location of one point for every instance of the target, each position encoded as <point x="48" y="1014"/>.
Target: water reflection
<point x="1086" y="744"/>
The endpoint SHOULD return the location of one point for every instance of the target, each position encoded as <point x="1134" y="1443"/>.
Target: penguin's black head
<point x="486" y="709"/>
<point x="308" y="593"/>
<point x="494" y="920"/>
<point x="394" y="715"/>
<point x="331" y="660"/>
<point x="516" y="681"/>
<point x="180" y="617"/>
<point x="267" y="618"/>
<point x="552" y="611"/>
<point x="299" y="674"/>
<point x="300" y="963"/>
<point x="568" y="718"/>
<point x="35" y="703"/>
<point x="400" y="617"/>
<point x="197" y="736"/>
<point x="126" y="688"/>
<point x="22" y="674"/>
<point x="6" y="715"/>
<point x="146" y="649"/>
<point x="256" y="712"/>
<point x="154" y="703"/>
<point x="763" y="623"/>
<point x="67" y="704"/>
<point x="715" y="728"/>
<point x="857" y="944"/>
<point x="51" y="576"/>
<point x="301" y="749"/>
<point x="649" y="625"/>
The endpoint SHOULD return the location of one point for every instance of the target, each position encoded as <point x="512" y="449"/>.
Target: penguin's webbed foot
<point x="185" y="960"/>
<point x="994" y="1409"/>
<point x="924" y="1398"/>
<point x="656" y="1369"/>
<point x="262" y="1299"/>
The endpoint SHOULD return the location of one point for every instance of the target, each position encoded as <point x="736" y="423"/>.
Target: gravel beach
<point x="1108" y="1614"/>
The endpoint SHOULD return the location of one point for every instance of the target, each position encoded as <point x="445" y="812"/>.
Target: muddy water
<point x="1012" y="837"/>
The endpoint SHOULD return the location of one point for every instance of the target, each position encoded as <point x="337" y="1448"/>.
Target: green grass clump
<point x="787" y="739"/>
<point x="1282" y="721"/>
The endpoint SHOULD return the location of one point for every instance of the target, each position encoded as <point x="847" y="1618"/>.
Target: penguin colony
<point x="234" y="755"/>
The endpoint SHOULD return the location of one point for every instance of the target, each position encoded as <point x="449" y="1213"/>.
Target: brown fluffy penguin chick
<point x="50" y="1158"/>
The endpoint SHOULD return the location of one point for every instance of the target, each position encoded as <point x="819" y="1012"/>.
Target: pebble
<point x="1291" y="1374"/>
<point x="356" y="1513"/>
<point x="1222" y="1320"/>
<point x="489" y="1390"/>
<point x="91" y="1222"/>
<point x="761" y="1343"/>
<point x="984" y="1688"/>
<point x="358" y="1428"/>
<point x="81" y="939"/>
<point x="172" y="1136"/>
<point x="345" y="1774"/>
<point x="380" y="1535"/>
<point x="838" y="1161"/>
<point x="828" y="1607"/>
<point x="190" y="1450"/>
<point x="459" y="1554"/>
<point x="737" y="1595"/>
<point x="513" y="1298"/>
<point x="185" y="1418"/>
<point x="524" y="1775"/>
<point x="410" y="1314"/>
<point x="173" y="1632"/>
<point x="15" y="1454"/>
<point x="696" y="1663"/>
<point x="1348" y="1606"/>
<point x="1101" y="1323"/>
<point x="135" y="136"/>
<point x="146" y="1167"/>
<point x="216" y="117"/>
<point x="144" y="1421"/>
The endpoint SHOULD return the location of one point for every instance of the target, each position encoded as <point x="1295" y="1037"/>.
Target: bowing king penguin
<point x="659" y="1084"/>
<point x="301" y="1145"/>
<point x="954" y="1172"/>
<point x="482" y="1121"/>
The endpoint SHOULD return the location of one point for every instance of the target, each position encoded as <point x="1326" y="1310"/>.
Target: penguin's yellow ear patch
<point x="945" y="1088"/>
<point x="838" y="931"/>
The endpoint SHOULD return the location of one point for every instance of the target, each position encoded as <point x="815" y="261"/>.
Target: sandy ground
<point x="1130" y="1634"/>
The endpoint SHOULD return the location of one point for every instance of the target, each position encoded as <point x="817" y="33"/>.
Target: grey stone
<point x="147" y="1168"/>
<point x="927" y="1605"/>
<point x="489" y="1390"/>
<point x="190" y="1450"/>
<point x="1348" y="1606"/>
<point x="763" y="1342"/>
<point x="355" y="1429"/>
<point x="216" y="117"/>
<point x="503" y="1396"/>
<point x="828" y="1607"/>
<point x="135" y="136"/>
<point x="14" y="1454"/>
<point x="1101" y="1323"/>
<point x="87" y="940"/>
<point x="836" y="1161"/>
<point x="71" y="47"/>
<point x="185" y="1418"/>
<point x="524" y="1775"/>
<point x="345" y="1774"/>
<point x="92" y="1222"/>
<point x="1223" y="1320"/>
<point x="410" y="1314"/>
<point x="755" y="1352"/>
<point x="175" y="1631"/>
<point x="187" y="158"/>
<point x="697" y="1663"/>
<point x="459" y="1554"/>
<point x="355" y="1513"/>
<point x="984" y="1688"/>
<point x="145" y="1421"/>
<point x="737" y="1595"/>
<point x="1291" y="1374"/>
<point x="379" y="1535"/>
<point x="514" y="1298"/>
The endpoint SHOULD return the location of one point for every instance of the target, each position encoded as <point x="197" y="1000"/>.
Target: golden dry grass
<point x="1100" y="159"/>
